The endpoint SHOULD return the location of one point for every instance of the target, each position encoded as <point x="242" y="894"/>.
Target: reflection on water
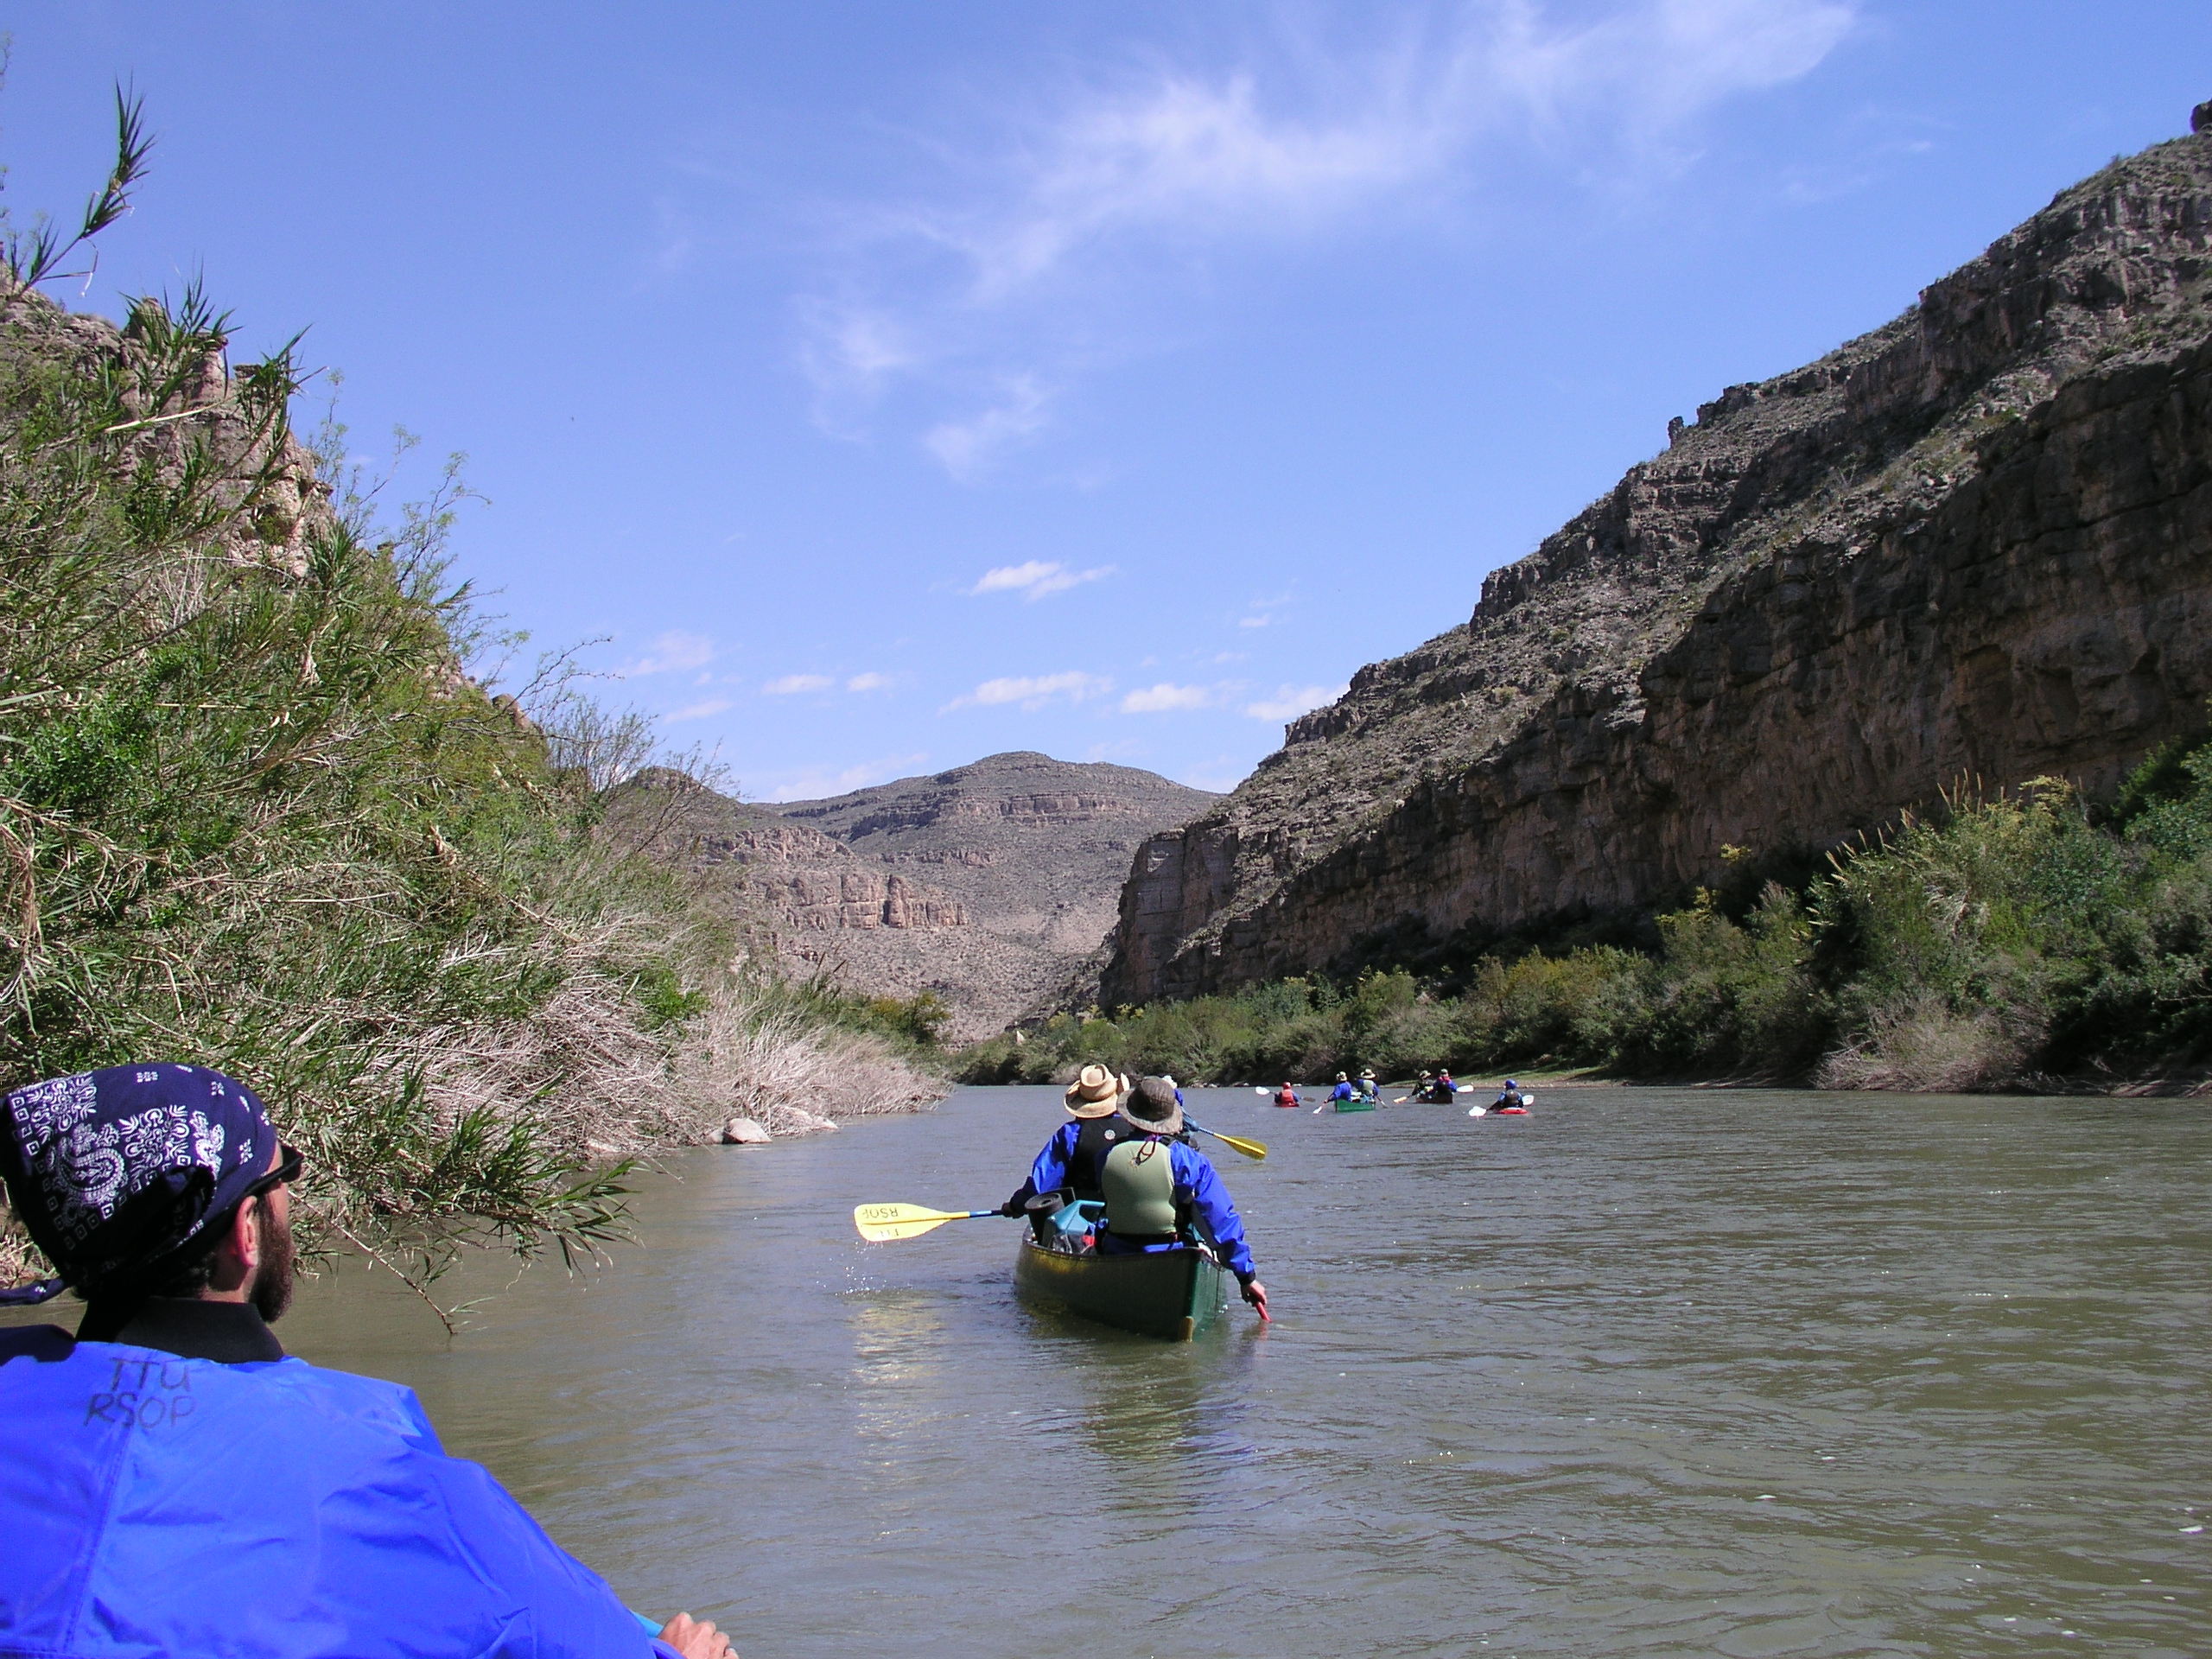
<point x="1650" y="1372"/>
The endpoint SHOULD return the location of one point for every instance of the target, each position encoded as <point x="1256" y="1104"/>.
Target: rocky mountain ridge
<point x="988" y="884"/>
<point x="1975" y="544"/>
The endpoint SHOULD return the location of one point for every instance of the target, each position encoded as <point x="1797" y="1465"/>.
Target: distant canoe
<point x="1355" y="1105"/>
<point x="1170" y="1294"/>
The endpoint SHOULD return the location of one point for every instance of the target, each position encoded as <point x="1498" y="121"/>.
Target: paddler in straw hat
<point x="1157" y="1188"/>
<point x="1071" y="1158"/>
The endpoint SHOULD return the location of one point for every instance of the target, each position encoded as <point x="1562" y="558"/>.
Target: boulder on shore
<point x="744" y="1132"/>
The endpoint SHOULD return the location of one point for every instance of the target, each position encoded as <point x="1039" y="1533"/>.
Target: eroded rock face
<point x="265" y="475"/>
<point x="991" y="884"/>
<point x="1973" y="547"/>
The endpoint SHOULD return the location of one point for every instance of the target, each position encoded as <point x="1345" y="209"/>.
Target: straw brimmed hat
<point x="1095" y="1093"/>
<point x="1152" y="1108"/>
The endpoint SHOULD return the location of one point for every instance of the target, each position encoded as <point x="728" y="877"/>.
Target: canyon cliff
<point x="991" y="885"/>
<point x="1973" y="547"/>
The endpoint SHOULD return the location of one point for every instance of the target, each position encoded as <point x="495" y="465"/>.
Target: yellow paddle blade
<point x="882" y="1223"/>
<point x="1252" y="1149"/>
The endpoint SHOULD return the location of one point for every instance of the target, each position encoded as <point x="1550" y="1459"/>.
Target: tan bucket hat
<point x="1095" y="1093"/>
<point x="1152" y="1096"/>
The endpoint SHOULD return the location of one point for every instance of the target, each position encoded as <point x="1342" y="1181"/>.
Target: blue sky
<point x="888" y="385"/>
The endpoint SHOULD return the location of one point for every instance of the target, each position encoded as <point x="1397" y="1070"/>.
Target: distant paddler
<point x="1344" y="1091"/>
<point x="1369" y="1087"/>
<point x="1287" y="1096"/>
<point x="1162" y="1192"/>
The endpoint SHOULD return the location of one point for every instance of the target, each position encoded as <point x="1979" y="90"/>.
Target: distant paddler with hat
<point x="1071" y="1158"/>
<point x="1159" y="1190"/>
<point x="1344" y="1091"/>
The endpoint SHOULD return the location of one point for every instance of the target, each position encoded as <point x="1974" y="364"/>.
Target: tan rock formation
<point x="991" y="885"/>
<point x="1973" y="545"/>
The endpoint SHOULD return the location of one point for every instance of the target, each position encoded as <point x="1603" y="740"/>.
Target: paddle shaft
<point x="884" y="1224"/>
<point x="1254" y="1150"/>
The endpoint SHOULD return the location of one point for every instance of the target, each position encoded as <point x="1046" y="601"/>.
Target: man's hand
<point x="1015" y="1207"/>
<point x="696" y="1638"/>
<point x="1254" y="1292"/>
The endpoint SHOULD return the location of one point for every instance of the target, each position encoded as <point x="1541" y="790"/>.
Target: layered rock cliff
<point x="1972" y="546"/>
<point x="989" y="884"/>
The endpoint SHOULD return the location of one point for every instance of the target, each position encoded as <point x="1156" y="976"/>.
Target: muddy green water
<point x="1648" y="1372"/>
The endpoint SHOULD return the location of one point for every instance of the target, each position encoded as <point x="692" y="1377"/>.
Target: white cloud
<point x="868" y="682"/>
<point x="1034" y="579"/>
<point x="1032" y="694"/>
<point x="968" y="448"/>
<point x="816" y="784"/>
<point x="793" y="685"/>
<point x="1291" y="701"/>
<point x="672" y="652"/>
<point x="1165" y="698"/>
<point x="1006" y="277"/>
<point x="696" y="710"/>
<point x="1254" y="621"/>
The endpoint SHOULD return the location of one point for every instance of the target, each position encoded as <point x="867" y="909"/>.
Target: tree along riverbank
<point x="256" y="814"/>
<point x="2023" y="941"/>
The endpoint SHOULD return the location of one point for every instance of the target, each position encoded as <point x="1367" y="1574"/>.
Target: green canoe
<point x="1171" y="1294"/>
<point x="1355" y="1105"/>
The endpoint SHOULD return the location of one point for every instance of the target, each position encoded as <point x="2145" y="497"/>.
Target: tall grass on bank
<point x="1997" y="943"/>
<point x="253" y="814"/>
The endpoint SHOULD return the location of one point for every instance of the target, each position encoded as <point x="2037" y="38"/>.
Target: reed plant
<point x="256" y="813"/>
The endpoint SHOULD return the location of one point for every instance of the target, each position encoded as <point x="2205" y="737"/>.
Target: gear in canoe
<point x="1148" y="1253"/>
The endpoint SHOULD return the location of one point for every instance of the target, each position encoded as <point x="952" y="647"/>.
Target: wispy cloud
<point x="1032" y="694"/>
<point x="1291" y="701"/>
<point x="1164" y="699"/>
<point x="816" y="784"/>
<point x="868" y="682"/>
<point x="988" y="291"/>
<point x="672" y="652"/>
<point x="1034" y="579"/>
<point x="970" y="446"/>
<point x="696" y="710"/>
<point x="792" y="685"/>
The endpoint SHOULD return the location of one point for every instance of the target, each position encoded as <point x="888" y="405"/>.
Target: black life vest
<point x="1098" y="1136"/>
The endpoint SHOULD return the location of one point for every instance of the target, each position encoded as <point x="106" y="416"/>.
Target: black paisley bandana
<point x="116" y="1173"/>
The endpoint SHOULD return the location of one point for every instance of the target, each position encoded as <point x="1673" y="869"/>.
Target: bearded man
<point x="174" y="1482"/>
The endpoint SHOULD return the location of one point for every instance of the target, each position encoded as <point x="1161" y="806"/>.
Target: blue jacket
<point x="158" y="1505"/>
<point x="1343" y="1091"/>
<point x="1197" y="1185"/>
<point x="1050" y="1172"/>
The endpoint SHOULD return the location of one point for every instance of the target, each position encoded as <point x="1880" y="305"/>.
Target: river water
<point x="1649" y="1372"/>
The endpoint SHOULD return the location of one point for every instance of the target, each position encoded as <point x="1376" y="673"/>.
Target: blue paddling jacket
<point x="157" y="1505"/>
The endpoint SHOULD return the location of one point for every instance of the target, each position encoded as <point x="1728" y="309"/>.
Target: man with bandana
<point x="174" y="1482"/>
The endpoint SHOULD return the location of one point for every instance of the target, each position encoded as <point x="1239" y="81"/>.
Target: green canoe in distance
<point x="1172" y="1293"/>
<point x="1355" y="1105"/>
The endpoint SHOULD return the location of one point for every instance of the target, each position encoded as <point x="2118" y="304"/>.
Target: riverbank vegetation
<point x="256" y="813"/>
<point x="2011" y="941"/>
